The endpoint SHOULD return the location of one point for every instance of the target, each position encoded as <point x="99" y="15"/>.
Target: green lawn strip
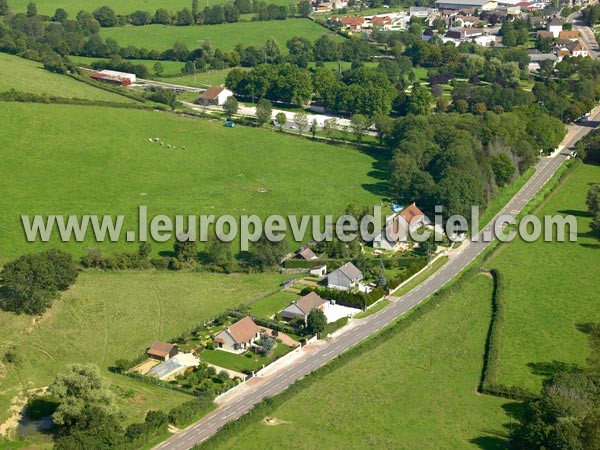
<point x="222" y="36"/>
<point x="29" y="76"/>
<point x="241" y="363"/>
<point x="373" y="309"/>
<point x="72" y="7"/>
<point x="418" y="279"/>
<point x="551" y="291"/>
<point x="269" y="306"/>
<point x="169" y="67"/>
<point x="427" y="366"/>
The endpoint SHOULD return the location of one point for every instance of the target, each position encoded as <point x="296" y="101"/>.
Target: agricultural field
<point x="120" y="7"/>
<point x="224" y="36"/>
<point x="416" y="390"/>
<point x="552" y="292"/>
<point x="65" y="152"/>
<point x="29" y="76"/>
<point x="88" y="325"/>
<point x="202" y="79"/>
<point x="170" y="67"/>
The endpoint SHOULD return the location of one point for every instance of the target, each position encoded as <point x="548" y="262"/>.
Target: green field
<point x="202" y="79"/>
<point x="29" y="76"/>
<point x="170" y="67"/>
<point x="392" y="397"/>
<point x="225" y="36"/>
<point x="119" y="6"/>
<point x="272" y="304"/>
<point x="552" y="290"/>
<point x="242" y="363"/>
<point x="60" y="159"/>
<point x="107" y="316"/>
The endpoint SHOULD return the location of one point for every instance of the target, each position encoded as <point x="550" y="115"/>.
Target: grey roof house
<point x="346" y="277"/>
<point x="303" y="306"/>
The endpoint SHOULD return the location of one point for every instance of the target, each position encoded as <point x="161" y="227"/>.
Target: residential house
<point x="536" y="57"/>
<point x="302" y="307"/>
<point x="398" y="226"/>
<point x="352" y="23"/>
<point x="571" y="49"/>
<point x="568" y="35"/>
<point x="555" y="26"/>
<point x="469" y="21"/>
<point x="238" y="337"/>
<point x="420" y="12"/>
<point x="306" y="254"/>
<point x="162" y="351"/>
<point x="345" y="278"/>
<point x="214" y="95"/>
<point x="383" y="23"/>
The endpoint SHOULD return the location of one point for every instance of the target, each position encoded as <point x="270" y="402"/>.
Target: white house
<point x="215" y="95"/>
<point x="238" y="337"/>
<point x="555" y="26"/>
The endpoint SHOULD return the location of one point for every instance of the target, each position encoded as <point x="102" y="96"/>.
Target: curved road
<point x="256" y="389"/>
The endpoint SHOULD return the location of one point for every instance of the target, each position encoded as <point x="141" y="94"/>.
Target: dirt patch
<point x="17" y="405"/>
<point x="262" y="190"/>
<point x="273" y="421"/>
<point x="138" y="399"/>
<point x="486" y="274"/>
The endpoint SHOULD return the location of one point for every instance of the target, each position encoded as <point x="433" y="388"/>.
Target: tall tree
<point x="281" y="119"/>
<point x="264" y="109"/>
<point x="231" y="106"/>
<point x="301" y="121"/>
<point x="316" y="321"/>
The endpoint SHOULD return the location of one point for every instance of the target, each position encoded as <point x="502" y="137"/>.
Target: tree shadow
<point x="591" y="246"/>
<point x="585" y="328"/>
<point x="381" y="172"/>
<point x="574" y="212"/>
<point x="490" y="442"/>
<point x="167" y="253"/>
<point x="549" y="369"/>
<point x="493" y="440"/>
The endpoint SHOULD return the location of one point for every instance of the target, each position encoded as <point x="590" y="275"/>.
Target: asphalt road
<point x="256" y="390"/>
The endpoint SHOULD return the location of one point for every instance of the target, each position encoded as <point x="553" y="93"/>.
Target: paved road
<point x="256" y="389"/>
<point x="586" y="33"/>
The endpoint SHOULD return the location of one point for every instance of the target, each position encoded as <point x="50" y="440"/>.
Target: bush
<point x="187" y="411"/>
<point x="331" y="327"/>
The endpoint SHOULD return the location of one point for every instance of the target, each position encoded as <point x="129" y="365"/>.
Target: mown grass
<point x="61" y="159"/>
<point x="552" y="291"/>
<point x="269" y="306"/>
<point x="120" y="7"/>
<point x="373" y="309"/>
<point x="169" y="67"/>
<point x="107" y="316"/>
<point x="202" y="79"/>
<point x="416" y="390"/>
<point x="29" y="76"/>
<point x="242" y="363"/>
<point x="223" y="36"/>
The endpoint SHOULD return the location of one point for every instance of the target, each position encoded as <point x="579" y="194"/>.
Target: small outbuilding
<point x="162" y="351"/>
<point x="319" y="271"/>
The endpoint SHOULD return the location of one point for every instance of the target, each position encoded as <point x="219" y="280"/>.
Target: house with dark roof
<point x="214" y="95"/>
<point x="302" y="307"/>
<point x="555" y="26"/>
<point x="162" y="351"/>
<point x="238" y="337"/>
<point x="347" y="277"/>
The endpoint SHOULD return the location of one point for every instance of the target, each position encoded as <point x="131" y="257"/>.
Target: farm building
<point x="162" y="351"/>
<point x="174" y="367"/>
<point x="238" y="337"/>
<point x="214" y="95"/>
<point x="480" y="5"/>
<point x="114" y="77"/>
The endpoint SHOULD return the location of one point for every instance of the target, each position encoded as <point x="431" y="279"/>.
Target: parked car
<point x="229" y="124"/>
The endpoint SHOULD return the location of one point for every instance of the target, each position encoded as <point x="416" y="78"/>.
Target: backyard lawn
<point x="551" y="290"/>
<point x="416" y="390"/>
<point x="112" y="315"/>
<point x="29" y="76"/>
<point x="269" y="306"/>
<point x="223" y="36"/>
<point x="241" y="363"/>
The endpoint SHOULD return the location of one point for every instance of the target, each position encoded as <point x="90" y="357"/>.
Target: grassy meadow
<point x="169" y="67"/>
<point x="60" y="159"/>
<point x="416" y="390"/>
<point x="111" y="315"/>
<point x="552" y="291"/>
<point x="223" y="36"/>
<point x="29" y="76"/>
<point x="119" y="6"/>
